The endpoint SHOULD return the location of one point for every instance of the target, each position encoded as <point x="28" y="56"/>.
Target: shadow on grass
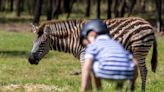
<point x="14" y="53"/>
<point x="21" y="54"/>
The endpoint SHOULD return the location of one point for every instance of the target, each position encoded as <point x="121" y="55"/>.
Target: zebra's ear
<point x="34" y="28"/>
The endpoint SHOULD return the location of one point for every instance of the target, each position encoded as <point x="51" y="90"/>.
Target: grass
<point x="53" y="72"/>
<point x="54" y="69"/>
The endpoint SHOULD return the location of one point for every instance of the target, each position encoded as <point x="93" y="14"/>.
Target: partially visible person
<point x="105" y="58"/>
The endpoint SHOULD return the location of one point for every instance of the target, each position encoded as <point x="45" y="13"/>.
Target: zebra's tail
<point x="154" y="60"/>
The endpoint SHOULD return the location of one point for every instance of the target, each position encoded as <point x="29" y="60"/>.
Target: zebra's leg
<point x="89" y="85"/>
<point x="142" y="68"/>
<point x="131" y="85"/>
<point x="143" y="72"/>
<point x="140" y="54"/>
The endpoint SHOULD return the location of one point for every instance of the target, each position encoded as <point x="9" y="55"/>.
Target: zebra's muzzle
<point x="33" y="60"/>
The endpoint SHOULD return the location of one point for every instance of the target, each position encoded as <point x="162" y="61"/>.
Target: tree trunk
<point x="56" y="8"/>
<point x="122" y="8"/>
<point x="49" y="10"/>
<point x="93" y="2"/>
<point x="18" y="10"/>
<point x="67" y="5"/>
<point x="38" y="7"/>
<point x="70" y="8"/>
<point x="88" y="6"/>
<point x="143" y="7"/>
<point x="11" y="5"/>
<point x="159" y="10"/>
<point x="0" y="5"/>
<point x="98" y="8"/>
<point x="116" y="12"/>
<point x="131" y="6"/>
<point x="22" y="5"/>
<point x="31" y="6"/>
<point x="109" y="9"/>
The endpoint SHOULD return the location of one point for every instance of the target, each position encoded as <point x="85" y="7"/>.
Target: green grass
<point x="54" y="69"/>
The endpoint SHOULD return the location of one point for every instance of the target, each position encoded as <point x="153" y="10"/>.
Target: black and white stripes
<point x="65" y="35"/>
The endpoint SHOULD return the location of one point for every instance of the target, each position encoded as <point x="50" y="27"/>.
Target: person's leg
<point x="89" y="86"/>
<point x="119" y="86"/>
<point x="97" y="82"/>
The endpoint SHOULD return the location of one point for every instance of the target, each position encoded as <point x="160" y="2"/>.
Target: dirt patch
<point x="30" y="88"/>
<point x="26" y="27"/>
<point x="15" y="27"/>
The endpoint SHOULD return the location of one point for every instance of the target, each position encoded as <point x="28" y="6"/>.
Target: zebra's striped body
<point x="135" y="34"/>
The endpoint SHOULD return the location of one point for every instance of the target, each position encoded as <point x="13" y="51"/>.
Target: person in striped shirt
<point x="104" y="57"/>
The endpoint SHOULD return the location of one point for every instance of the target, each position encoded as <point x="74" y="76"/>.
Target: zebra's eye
<point x="44" y="42"/>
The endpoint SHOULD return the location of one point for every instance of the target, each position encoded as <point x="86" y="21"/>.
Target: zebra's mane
<point x="42" y="26"/>
<point x="80" y="21"/>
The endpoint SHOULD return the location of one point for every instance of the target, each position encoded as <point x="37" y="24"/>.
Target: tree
<point x="98" y="8"/>
<point x="109" y="9"/>
<point x="88" y="6"/>
<point x="0" y="5"/>
<point x="119" y="8"/>
<point x="49" y="10"/>
<point x="143" y="6"/>
<point x="56" y="8"/>
<point x="130" y="6"/>
<point x="38" y="7"/>
<point x="69" y="7"/>
<point x="122" y="8"/>
<point x="11" y="5"/>
<point x="18" y="10"/>
<point x="159" y="13"/>
<point x="30" y="6"/>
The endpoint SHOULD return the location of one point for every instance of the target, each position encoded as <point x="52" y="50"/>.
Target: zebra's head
<point x="41" y="45"/>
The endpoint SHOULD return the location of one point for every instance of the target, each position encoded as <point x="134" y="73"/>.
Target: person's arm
<point x="135" y="61"/>
<point x="86" y="70"/>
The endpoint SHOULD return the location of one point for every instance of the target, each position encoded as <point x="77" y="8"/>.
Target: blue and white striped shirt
<point x="110" y="59"/>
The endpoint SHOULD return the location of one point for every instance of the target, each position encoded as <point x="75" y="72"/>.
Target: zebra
<point x="134" y="33"/>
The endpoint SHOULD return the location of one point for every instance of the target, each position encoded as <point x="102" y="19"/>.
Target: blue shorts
<point x="113" y="74"/>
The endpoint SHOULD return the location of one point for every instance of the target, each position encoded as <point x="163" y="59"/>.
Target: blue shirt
<point x="110" y="59"/>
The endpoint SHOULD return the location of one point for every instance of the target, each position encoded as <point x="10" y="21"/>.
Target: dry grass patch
<point x="31" y="88"/>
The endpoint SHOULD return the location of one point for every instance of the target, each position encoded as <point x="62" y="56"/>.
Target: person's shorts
<point x="118" y="75"/>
